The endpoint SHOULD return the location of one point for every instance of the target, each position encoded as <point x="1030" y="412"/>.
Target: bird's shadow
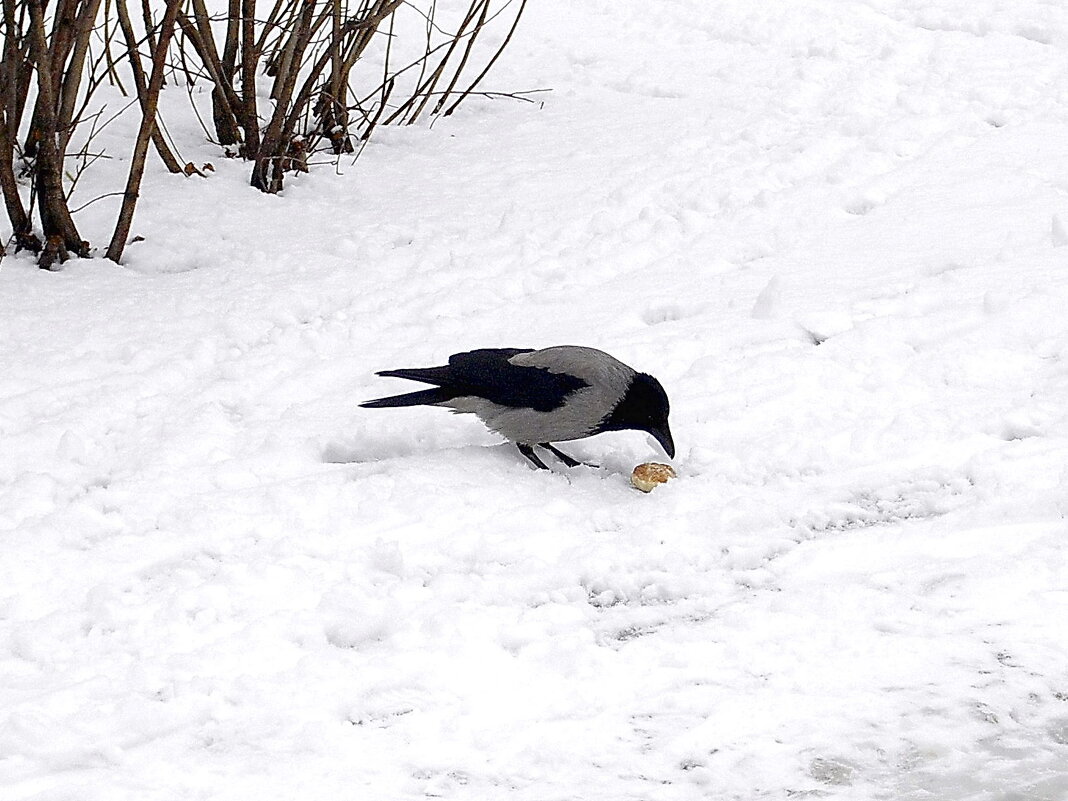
<point x="363" y="451"/>
<point x="378" y="450"/>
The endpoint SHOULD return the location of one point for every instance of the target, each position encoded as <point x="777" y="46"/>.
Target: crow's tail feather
<point x="425" y="397"/>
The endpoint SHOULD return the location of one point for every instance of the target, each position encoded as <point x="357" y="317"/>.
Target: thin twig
<point x="492" y="61"/>
<point x="95" y="199"/>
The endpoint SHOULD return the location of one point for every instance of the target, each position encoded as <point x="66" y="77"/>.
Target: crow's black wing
<point x="488" y="374"/>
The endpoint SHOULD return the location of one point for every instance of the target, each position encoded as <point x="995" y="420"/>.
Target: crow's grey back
<point x="608" y="380"/>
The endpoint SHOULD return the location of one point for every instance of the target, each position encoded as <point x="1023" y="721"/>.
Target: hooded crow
<point x="537" y="397"/>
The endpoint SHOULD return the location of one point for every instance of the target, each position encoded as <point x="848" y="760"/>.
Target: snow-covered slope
<point x="837" y="232"/>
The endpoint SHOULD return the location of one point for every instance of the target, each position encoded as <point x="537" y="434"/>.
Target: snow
<point x="833" y="230"/>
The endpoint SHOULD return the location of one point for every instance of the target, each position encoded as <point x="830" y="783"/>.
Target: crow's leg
<point x="528" y="451"/>
<point x="563" y="457"/>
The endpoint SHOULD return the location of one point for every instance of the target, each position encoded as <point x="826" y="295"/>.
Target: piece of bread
<point x="646" y="476"/>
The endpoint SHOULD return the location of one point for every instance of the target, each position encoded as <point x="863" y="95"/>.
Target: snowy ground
<point x="837" y="231"/>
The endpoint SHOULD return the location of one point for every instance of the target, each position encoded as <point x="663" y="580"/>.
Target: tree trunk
<point x="56" y="221"/>
<point x="141" y="85"/>
<point x="21" y="225"/>
<point x="148" y="123"/>
<point x="249" y="59"/>
<point x="72" y="71"/>
<point x="269" y="169"/>
<point x="225" y="103"/>
<point x="12" y="65"/>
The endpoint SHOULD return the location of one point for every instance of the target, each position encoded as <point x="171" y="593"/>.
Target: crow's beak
<point x="663" y="436"/>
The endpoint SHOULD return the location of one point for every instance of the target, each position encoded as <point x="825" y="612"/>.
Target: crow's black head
<point x="643" y="407"/>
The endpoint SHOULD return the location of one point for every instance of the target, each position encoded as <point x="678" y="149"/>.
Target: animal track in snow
<point x="909" y="500"/>
<point x="671" y="312"/>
